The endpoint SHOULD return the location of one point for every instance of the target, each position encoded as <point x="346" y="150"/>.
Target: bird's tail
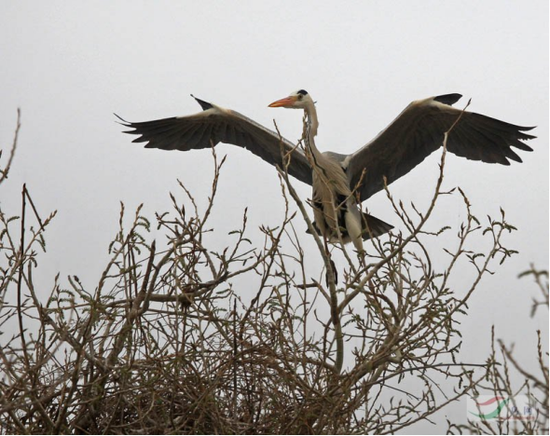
<point x="374" y="227"/>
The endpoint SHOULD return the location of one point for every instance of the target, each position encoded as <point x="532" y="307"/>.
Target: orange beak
<point x="284" y="102"/>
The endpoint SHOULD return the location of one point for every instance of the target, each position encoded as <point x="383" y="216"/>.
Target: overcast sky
<point x="70" y="65"/>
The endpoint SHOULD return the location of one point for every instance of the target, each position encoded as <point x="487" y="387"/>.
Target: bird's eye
<point x="300" y="96"/>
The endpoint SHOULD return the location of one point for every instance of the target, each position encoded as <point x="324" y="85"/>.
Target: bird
<point x="341" y="182"/>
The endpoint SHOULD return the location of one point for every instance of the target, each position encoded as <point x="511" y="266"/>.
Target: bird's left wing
<point x="419" y="130"/>
<point x="216" y="124"/>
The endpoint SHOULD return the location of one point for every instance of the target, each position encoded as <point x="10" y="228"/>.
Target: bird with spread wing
<point x="342" y="182"/>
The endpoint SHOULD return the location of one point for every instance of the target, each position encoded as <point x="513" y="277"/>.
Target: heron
<point x="341" y="182"/>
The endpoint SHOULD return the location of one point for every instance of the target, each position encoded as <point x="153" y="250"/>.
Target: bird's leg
<point x="361" y="256"/>
<point x="332" y="265"/>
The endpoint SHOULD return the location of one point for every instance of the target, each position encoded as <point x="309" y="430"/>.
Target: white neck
<point x="313" y="122"/>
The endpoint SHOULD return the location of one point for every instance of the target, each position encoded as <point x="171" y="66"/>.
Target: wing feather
<point x="419" y="130"/>
<point x="215" y="125"/>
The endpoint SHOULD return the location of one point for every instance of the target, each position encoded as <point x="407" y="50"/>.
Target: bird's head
<point x="297" y="100"/>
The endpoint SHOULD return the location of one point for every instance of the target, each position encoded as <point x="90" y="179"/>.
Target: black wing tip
<point x="204" y="104"/>
<point x="122" y="121"/>
<point x="449" y="99"/>
<point x="526" y="136"/>
<point x="527" y="128"/>
<point x="522" y="146"/>
<point x="520" y="131"/>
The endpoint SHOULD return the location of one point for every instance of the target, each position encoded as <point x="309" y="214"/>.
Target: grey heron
<point x="342" y="182"/>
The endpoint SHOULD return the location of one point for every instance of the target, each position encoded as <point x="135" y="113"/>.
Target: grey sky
<point x="70" y="65"/>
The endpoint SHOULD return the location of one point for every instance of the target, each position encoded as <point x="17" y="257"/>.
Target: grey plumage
<point x="416" y="133"/>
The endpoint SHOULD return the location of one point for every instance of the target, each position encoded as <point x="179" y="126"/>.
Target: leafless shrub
<point x="503" y="368"/>
<point x="166" y="343"/>
<point x="4" y="172"/>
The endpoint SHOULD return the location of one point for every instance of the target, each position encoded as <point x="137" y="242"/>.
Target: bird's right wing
<point x="215" y="124"/>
